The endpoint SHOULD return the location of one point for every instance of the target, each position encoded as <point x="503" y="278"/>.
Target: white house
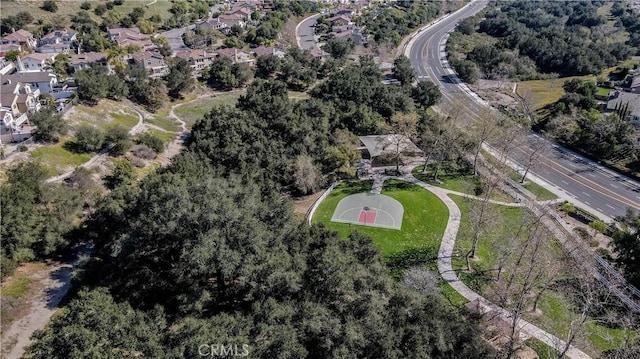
<point x="43" y="81"/>
<point x="36" y="62"/>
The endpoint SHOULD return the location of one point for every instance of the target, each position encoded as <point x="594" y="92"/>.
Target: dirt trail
<point x="53" y="284"/>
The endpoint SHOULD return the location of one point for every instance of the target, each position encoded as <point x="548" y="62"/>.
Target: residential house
<point x="59" y="41"/>
<point x="339" y="20"/>
<point x="263" y="50"/>
<point x="124" y="37"/>
<point x="4" y="48"/>
<point x="319" y="54"/>
<point x="348" y="34"/>
<point x="619" y="99"/>
<point x="36" y="62"/>
<point x="237" y="56"/>
<point x="244" y="12"/>
<point x="211" y="23"/>
<point x="18" y="99"/>
<point x="42" y="81"/>
<point x="233" y="19"/>
<point x="85" y="60"/>
<point x="153" y="62"/>
<point x="21" y="37"/>
<point x="249" y="6"/>
<point x="344" y="12"/>
<point x="197" y="59"/>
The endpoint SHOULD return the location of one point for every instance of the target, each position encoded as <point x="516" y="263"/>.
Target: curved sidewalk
<point x="445" y="268"/>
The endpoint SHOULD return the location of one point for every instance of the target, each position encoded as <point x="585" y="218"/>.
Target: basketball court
<point x="369" y="209"/>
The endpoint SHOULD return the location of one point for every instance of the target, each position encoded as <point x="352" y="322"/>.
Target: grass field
<point x="557" y="315"/>
<point x="425" y="217"/>
<point x="545" y="92"/>
<point x="504" y="220"/>
<point x="164" y="122"/>
<point x="192" y="112"/>
<point x="555" y="309"/>
<point x="56" y="159"/>
<point x="105" y="114"/>
<point x="464" y="183"/>
<point x="166" y="137"/>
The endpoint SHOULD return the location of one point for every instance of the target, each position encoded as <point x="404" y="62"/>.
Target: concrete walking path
<point x="449" y="275"/>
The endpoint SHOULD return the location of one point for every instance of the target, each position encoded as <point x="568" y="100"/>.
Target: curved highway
<point x="570" y="176"/>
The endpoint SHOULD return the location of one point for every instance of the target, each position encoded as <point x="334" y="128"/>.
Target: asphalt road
<point x="305" y="33"/>
<point x="174" y="37"/>
<point x="565" y="173"/>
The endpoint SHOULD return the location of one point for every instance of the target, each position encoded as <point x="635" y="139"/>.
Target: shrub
<point x="137" y="162"/>
<point x="599" y="226"/>
<point x="50" y="6"/>
<point x="143" y="151"/>
<point x="152" y="141"/>
<point x="118" y="137"/>
<point x="478" y="187"/>
<point x="89" y="139"/>
<point x="122" y="174"/>
<point x="85" y="5"/>
<point x="22" y="148"/>
<point x="568" y="208"/>
<point x="100" y="9"/>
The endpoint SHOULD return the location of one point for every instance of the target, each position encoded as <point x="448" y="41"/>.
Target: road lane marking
<point x="565" y="182"/>
<point x="610" y="206"/>
<point x="582" y="180"/>
<point x="612" y="185"/>
<point x="586" y="194"/>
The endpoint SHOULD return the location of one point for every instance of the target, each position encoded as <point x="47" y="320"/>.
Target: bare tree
<point x="403" y="128"/>
<point x="535" y="149"/>
<point x="482" y="132"/>
<point x="421" y="279"/>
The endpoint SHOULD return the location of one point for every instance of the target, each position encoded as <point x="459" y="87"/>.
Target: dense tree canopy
<point x="566" y="38"/>
<point x="36" y="216"/>
<point x="229" y="262"/>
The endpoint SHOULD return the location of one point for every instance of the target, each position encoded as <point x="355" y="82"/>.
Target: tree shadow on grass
<point x="353" y="187"/>
<point x="397" y="185"/>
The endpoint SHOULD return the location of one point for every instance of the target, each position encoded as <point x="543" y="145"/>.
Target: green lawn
<point x="166" y="137"/>
<point x="464" y="183"/>
<point x="423" y="224"/>
<point x="164" y="122"/>
<point x="603" y="91"/>
<point x="558" y="313"/>
<point x="541" y="193"/>
<point x="56" y="159"/>
<point x="505" y="220"/>
<point x="192" y="112"/>
<point x="543" y="350"/>
<point x="17" y="287"/>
